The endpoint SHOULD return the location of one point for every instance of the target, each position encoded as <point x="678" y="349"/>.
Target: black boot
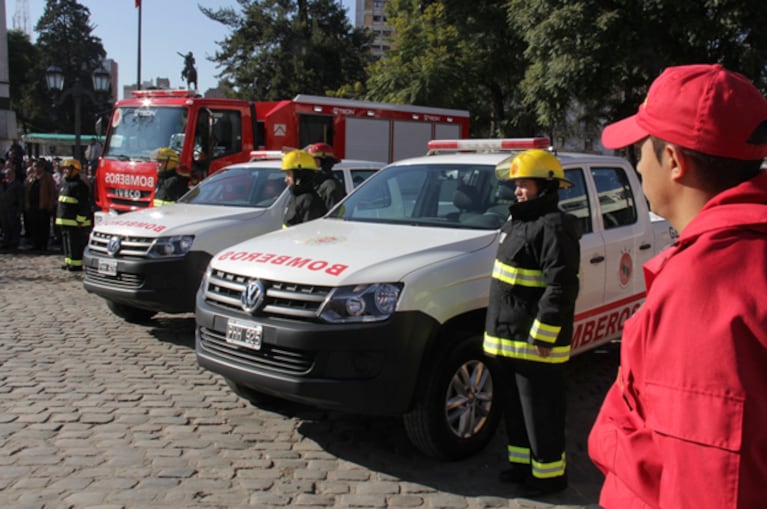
<point x="537" y="487"/>
<point x="517" y="474"/>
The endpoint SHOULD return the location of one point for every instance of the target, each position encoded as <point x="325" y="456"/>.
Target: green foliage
<point x="65" y="39"/>
<point x="28" y="94"/>
<point x="591" y="61"/>
<point x="280" y="48"/>
<point x="454" y="54"/>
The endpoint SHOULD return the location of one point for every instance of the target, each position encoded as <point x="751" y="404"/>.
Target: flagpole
<point x="138" y="71"/>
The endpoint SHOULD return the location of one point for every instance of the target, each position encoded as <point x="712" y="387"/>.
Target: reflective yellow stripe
<point x="516" y="276"/>
<point x="523" y="350"/>
<point x="547" y="470"/>
<point x="65" y="222"/>
<point x="68" y="199"/>
<point x="83" y="221"/>
<point x="518" y="454"/>
<point x="72" y="262"/>
<point x="160" y="203"/>
<point x="543" y="332"/>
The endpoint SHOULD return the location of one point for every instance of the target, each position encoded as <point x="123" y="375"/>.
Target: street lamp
<point x="54" y="78"/>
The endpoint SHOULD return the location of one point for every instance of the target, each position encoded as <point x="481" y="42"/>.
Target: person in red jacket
<point x="685" y="424"/>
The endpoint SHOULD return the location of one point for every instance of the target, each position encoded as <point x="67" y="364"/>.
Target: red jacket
<point x="685" y="424"/>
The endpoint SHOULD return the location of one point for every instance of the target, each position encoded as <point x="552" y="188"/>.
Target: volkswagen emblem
<point x="252" y="296"/>
<point x="113" y="246"/>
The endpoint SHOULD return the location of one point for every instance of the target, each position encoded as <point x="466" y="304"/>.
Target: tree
<point x="280" y="48"/>
<point x="592" y="61"/>
<point x="27" y="92"/>
<point x="457" y="54"/>
<point x="65" y="39"/>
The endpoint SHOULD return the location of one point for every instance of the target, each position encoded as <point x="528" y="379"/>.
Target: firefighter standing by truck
<point x="73" y="215"/>
<point x="529" y="322"/>
<point x="304" y="204"/>
<point x="171" y="185"/>
<point x="328" y="187"/>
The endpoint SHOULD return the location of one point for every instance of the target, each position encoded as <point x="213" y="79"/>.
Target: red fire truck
<point x="211" y="133"/>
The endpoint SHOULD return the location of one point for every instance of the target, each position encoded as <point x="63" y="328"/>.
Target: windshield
<point x="136" y="132"/>
<point x="447" y="195"/>
<point x="239" y="187"/>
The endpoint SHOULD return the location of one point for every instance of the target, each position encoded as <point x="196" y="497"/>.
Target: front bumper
<point x="166" y="285"/>
<point x="361" y="368"/>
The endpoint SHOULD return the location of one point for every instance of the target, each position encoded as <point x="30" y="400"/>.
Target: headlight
<point x="178" y="245"/>
<point x="363" y="303"/>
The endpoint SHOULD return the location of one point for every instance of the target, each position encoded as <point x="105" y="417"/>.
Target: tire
<point x="129" y="313"/>
<point x="455" y="414"/>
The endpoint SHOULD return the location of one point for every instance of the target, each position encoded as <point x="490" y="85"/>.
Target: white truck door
<point x="627" y="233"/>
<point x="576" y="201"/>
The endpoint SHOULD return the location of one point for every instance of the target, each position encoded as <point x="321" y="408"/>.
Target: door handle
<point x="597" y="259"/>
<point x="645" y="246"/>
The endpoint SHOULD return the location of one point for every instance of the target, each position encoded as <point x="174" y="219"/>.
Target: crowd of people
<point x="31" y="191"/>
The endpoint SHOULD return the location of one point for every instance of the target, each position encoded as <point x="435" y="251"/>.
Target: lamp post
<point x="54" y="78"/>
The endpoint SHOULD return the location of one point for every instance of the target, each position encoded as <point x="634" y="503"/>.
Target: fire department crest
<point x="625" y="268"/>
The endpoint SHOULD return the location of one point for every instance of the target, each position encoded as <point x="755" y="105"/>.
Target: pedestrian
<point x="529" y="322"/>
<point x="16" y="153"/>
<point x="684" y="423"/>
<point x="41" y="199"/>
<point x="304" y="203"/>
<point x="92" y="154"/>
<point x="11" y="208"/>
<point x="74" y="215"/>
<point x="327" y="185"/>
<point x="170" y="184"/>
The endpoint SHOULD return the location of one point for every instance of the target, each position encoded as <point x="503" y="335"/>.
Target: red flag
<point x="138" y="3"/>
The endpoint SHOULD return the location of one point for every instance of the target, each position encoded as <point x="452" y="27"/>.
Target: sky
<point x="168" y="27"/>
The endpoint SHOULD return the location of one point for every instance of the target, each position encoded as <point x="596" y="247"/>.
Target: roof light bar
<point x="164" y="93"/>
<point x="489" y="144"/>
<point x="265" y="155"/>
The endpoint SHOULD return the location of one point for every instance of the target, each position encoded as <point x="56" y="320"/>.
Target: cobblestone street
<point x="99" y="413"/>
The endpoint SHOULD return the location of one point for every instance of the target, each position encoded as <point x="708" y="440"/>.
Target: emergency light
<point x="165" y="93"/>
<point x="489" y="144"/>
<point x="265" y="155"/>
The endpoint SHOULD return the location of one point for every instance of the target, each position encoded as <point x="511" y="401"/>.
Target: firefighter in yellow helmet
<point x="529" y="321"/>
<point x="74" y="215"/>
<point x="170" y="184"/>
<point x="330" y="189"/>
<point x="304" y="203"/>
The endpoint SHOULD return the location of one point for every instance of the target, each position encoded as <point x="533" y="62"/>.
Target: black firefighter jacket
<point x="534" y="283"/>
<point x="74" y="208"/>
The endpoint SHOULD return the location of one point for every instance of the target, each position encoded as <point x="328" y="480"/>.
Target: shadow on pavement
<point x="381" y="444"/>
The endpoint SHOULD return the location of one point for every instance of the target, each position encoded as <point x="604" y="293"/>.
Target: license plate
<point x="244" y="334"/>
<point x="107" y="267"/>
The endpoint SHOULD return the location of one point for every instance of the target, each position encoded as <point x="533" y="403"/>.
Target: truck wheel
<point x="455" y="414"/>
<point x="129" y="313"/>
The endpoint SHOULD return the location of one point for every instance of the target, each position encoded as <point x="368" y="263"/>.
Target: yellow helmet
<point x="73" y="165"/>
<point x="298" y="160"/>
<point x="532" y="164"/>
<point x="168" y="156"/>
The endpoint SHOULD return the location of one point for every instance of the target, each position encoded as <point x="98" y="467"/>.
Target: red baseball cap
<point x="705" y="108"/>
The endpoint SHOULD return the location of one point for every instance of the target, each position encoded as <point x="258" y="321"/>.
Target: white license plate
<point x="107" y="267"/>
<point x="244" y="334"/>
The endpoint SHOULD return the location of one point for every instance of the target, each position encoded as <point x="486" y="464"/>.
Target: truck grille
<point x="130" y="247"/>
<point x="122" y="279"/>
<point x="269" y="357"/>
<point x="282" y="299"/>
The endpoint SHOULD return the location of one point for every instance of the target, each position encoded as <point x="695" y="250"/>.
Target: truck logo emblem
<point x="113" y="246"/>
<point x="252" y="296"/>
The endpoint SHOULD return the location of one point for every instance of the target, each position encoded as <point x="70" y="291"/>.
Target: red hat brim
<point x="623" y="133"/>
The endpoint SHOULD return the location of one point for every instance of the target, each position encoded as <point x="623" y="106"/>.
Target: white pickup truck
<point x="379" y="307"/>
<point x="152" y="260"/>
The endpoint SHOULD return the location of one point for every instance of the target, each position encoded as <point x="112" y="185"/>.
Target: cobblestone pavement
<point x="98" y="413"/>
